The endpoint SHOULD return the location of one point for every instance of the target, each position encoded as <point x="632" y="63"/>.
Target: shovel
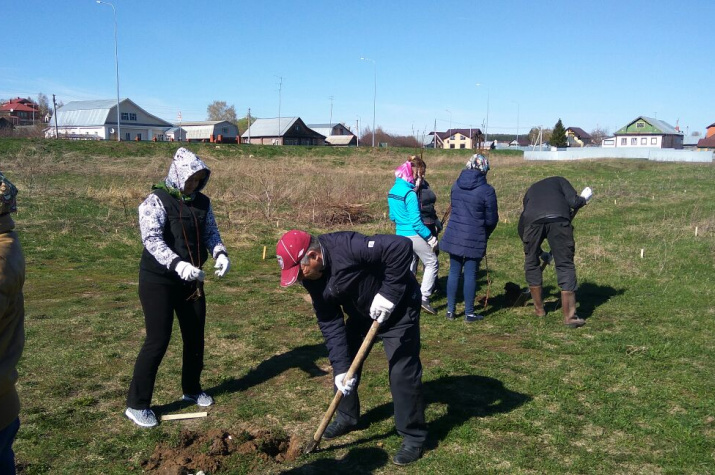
<point x="357" y="362"/>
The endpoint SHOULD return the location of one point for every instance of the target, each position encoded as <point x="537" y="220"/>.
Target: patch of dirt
<point x="206" y="451"/>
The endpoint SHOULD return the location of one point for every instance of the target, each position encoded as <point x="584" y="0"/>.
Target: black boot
<point x="336" y="429"/>
<point x="407" y="454"/>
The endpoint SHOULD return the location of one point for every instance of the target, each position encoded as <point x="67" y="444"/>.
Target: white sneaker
<point x="142" y="417"/>
<point x="202" y="399"/>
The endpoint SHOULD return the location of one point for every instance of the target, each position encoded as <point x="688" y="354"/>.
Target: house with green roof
<point x="647" y="132"/>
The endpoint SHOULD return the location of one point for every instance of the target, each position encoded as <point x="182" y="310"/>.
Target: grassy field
<point x="631" y="392"/>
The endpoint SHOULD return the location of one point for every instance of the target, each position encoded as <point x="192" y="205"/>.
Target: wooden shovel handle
<point x="354" y="367"/>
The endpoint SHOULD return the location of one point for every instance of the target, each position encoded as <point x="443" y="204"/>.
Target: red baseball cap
<point x="290" y="250"/>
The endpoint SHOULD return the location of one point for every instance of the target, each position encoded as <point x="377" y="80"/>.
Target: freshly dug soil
<point x="197" y="451"/>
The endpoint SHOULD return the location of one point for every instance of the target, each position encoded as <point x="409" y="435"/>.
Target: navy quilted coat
<point x="474" y="216"/>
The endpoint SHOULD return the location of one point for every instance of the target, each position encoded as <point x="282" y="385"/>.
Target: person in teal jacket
<point x="405" y="213"/>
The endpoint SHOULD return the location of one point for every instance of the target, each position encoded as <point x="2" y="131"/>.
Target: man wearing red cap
<point x="368" y="278"/>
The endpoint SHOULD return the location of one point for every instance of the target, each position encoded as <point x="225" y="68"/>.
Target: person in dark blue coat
<point x="473" y="218"/>
<point x="366" y="278"/>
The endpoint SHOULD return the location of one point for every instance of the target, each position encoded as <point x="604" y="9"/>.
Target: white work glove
<point x="349" y="385"/>
<point x="432" y="241"/>
<point x="381" y="308"/>
<point x="222" y="265"/>
<point x="587" y="193"/>
<point x="188" y="272"/>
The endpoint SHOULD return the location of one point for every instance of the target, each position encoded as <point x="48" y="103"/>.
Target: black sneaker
<point x="450" y="315"/>
<point x="407" y="454"/>
<point x="473" y="318"/>
<point x="427" y="307"/>
<point x="336" y="429"/>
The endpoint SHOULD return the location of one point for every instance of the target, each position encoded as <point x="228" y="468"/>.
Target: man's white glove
<point x="188" y="272"/>
<point x="349" y="385"/>
<point x="381" y="308"/>
<point x="587" y="193"/>
<point x="222" y="265"/>
<point x="432" y="241"/>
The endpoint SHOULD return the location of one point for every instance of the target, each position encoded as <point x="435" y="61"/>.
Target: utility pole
<point x="280" y="90"/>
<point x="357" y="129"/>
<point x="331" y="112"/>
<point x="54" y="105"/>
<point x="249" y="126"/>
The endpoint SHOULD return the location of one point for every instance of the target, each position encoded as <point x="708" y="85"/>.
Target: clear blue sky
<point x="589" y="63"/>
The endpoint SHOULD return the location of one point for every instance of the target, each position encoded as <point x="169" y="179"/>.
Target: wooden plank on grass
<point x="187" y="415"/>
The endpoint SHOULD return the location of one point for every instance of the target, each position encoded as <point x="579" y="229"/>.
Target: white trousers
<point x="424" y="252"/>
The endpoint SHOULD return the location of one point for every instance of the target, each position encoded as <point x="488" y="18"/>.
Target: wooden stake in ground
<point x="186" y="415"/>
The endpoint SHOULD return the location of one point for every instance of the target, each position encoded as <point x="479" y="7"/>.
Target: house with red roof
<point x="19" y="111"/>
<point x="708" y="143"/>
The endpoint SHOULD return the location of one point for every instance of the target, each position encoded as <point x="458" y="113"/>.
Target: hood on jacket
<point x="470" y="179"/>
<point x="185" y="164"/>
<point x="8" y="196"/>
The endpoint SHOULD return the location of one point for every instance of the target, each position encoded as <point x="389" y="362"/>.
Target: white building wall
<point x="651" y="141"/>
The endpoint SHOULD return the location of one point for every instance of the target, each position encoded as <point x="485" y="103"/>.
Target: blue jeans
<point x="7" y="456"/>
<point x="470" y="266"/>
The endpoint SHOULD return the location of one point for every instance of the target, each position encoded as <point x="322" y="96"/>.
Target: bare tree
<point x="43" y="105"/>
<point x="219" y="110"/>
<point x="534" y="135"/>
<point x="598" y="134"/>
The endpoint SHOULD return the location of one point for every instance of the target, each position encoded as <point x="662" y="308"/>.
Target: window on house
<point x="462" y="145"/>
<point x="139" y="136"/>
<point x="653" y="141"/>
<point x="640" y="125"/>
<point x="125" y="116"/>
<point x="451" y="145"/>
<point x="634" y="141"/>
<point x="127" y="136"/>
<point x="644" y="141"/>
<point x="132" y="116"/>
<point x="624" y="141"/>
<point x="224" y="130"/>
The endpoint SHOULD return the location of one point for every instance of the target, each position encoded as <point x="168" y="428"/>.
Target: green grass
<point x="628" y="393"/>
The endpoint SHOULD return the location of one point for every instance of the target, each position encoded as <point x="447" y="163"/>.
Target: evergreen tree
<point x="558" y="136"/>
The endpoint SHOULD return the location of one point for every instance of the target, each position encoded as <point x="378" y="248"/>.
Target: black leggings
<point x="159" y="303"/>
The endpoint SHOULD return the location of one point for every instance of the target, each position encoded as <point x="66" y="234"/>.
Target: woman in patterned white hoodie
<point x="178" y="231"/>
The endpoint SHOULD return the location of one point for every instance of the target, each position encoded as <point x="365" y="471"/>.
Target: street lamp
<point x="517" y="122"/>
<point x="374" y="97"/>
<point x="116" y="65"/>
<point x="450" y="124"/>
<point x="486" y="129"/>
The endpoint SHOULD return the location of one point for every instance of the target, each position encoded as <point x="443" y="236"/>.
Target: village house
<point x="577" y="137"/>
<point x="708" y="143"/>
<point x="220" y="131"/>
<point x="646" y="132"/>
<point x="337" y="135"/>
<point x="19" y="111"/>
<point x="281" y="131"/>
<point x="97" y="120"/>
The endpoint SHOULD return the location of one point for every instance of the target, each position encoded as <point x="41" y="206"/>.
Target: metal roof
<point x="341" y="139"/>
<point x="201" y="122"/>
<point x="270" y="127"/>
<point x="661" y="126"/>
<point x="327" y="131"/>
<point x="97" y="113"/>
